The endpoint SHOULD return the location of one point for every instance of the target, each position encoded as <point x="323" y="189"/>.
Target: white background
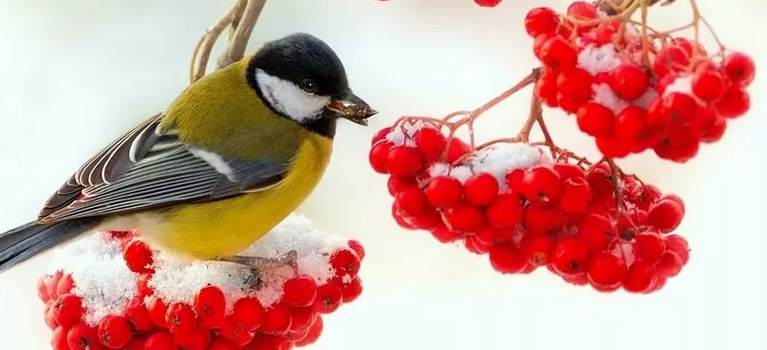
<point x="76" y="74"/>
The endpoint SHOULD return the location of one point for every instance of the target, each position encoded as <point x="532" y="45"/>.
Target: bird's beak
<point x="351" y="107"/>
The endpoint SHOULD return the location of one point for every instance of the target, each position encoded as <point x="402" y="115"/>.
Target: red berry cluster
<point x="149" y="323"/>
<point x="481" y="3"/>
<point x="632" y="93"/>
<point x="540" y="213"/>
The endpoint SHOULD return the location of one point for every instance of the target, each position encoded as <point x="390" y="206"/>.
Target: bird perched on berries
<point x="231" y="157"/>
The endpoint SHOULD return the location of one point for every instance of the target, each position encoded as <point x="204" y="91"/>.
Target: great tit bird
<point x="231" y="157"/>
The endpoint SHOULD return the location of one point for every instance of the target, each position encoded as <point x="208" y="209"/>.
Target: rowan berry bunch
<point x="532" y="204"/>
<point x="154" y="302"/>
<point x="634" y="88"/>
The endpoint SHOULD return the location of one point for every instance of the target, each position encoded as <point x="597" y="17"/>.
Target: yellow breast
<point x="226" y="227"/>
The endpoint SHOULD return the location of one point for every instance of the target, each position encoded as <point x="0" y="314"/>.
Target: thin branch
<point x="239" y="41"/>
<point x="204" y="46"/>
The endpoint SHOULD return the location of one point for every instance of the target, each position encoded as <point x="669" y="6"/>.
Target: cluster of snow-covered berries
<point x="111" y="291"/>
<point x="632" y="93"/>
<point x="525" y="210"/>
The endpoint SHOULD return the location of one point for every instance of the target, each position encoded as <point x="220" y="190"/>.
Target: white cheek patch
<point x="289" y="99"/>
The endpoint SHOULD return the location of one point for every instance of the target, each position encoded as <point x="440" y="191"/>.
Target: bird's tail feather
<point x="27" y="241"/>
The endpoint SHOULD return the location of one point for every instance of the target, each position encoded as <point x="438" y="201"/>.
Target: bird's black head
<point x="302" y="78"/>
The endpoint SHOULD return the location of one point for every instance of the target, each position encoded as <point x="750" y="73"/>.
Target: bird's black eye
<point x="309" y="86"/>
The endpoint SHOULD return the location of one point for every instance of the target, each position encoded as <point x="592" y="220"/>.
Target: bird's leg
<point x="260" y="266"/>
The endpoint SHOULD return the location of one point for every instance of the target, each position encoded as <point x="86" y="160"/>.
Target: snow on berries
<point x="524" y="209"/>
<point x="114" y="291"/>
<point x="634" y="93"/>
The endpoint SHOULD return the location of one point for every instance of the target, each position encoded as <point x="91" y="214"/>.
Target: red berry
<point x="629" y="82"/>
<point x="160" y="341"/>
<point x="247" y="313"/>
<point x="180" y="318"/>
<point x="678" y="245"/>
<point x="210" y="306"/>
<point x="734" y="103"/>
<point x="138" y="256"/>
<point x="490" y="235"/>
<point x="740" y="68"/>
<point x="314" y="333"/>
<point x="329" y="297"/>
<point x="640" y="278"/>
<point x="236" y="332"/>
<point x="157" y="310"/>
<point x="505" y="212"/>
<point x="381" y="134"/>
<point x="427" y="220"/>
<point x="302" y="318"/>
<point x="403" y="161"/>
<point x="445" y="235"/>
<point x="542" y="186"/>
<point x="412" y="200"/>
<point x="541" y="20"/>
<point x="688" y="46"/>
<point x="277" y="320"/>
<point x="114" y="332"/>
<point x="481" y="189"/>
<point x="543" y="220"/>
<point x="595" y="119"/>
<point x="42" y="289"/>
<point x="601" y="185"/>
<point x="431" y="143"/>
<point x="676" y="108"/>
<point x="582" y="10"/>
<point x="59" y="339"/>
<point x="710" y="124"/>
<point x="559" y="54"/>
<point x="473" y="245"/>
<point x="678" y="145"/>
<point x="506" y="258"/>
<point x="570" y="256"/>
<point x="576" y="196"/>
<point x="356" y="246"/>
<point x="402" y="218"/>
<point x="547" y="85"/>
<point x="142" y="284"/>
<point x="487" y="3"/>
<point x="514" y="180"/>
<point x="607" y="31"/>
<point x="52" y="283"/>
<point x="68" y="310"/>
<point x="568" y="171"/>
<point x="538" y="251"/>
<point x="198" y="340"/>
<point x="444" y="192"/>
<point x="464" y="218"/>
<point x="138" y="315"/>
<point x="678" y="200"/>
<point x="299" y="291"/>
<point x="612" y="147"/>
<point x="649" y="247"/>
<point x="50" y="320"/>
<point x="345" y="261"/>
<point x="631" y="126"/>
<point x="398" y="184"/>
<point x="574" y="86"/>
<point x="352" y="290"/>
<point x="220" y="344"/>
<point x="707" y="83"/>
<point x="596" y="231"/>
<point x="671" y="58"/>
<point x="670" y="264"/>
<point x="644" y="196"/>
<point x="379" y="155"/>
<point x="65" y="284"/>
<point x="83" y="337"/>
<point x="606" y="269"/>
<point x="665" y="215"/>
<point x="456" y="149"/>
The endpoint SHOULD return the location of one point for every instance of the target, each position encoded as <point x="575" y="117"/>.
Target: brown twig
<point x="240" y="18"/>
<point x="615" y="173"/>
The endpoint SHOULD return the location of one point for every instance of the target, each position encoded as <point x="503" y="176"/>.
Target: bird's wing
<point x="147" y="169"/>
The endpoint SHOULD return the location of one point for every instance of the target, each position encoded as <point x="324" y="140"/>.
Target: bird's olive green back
<point x="222" y="109"/>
